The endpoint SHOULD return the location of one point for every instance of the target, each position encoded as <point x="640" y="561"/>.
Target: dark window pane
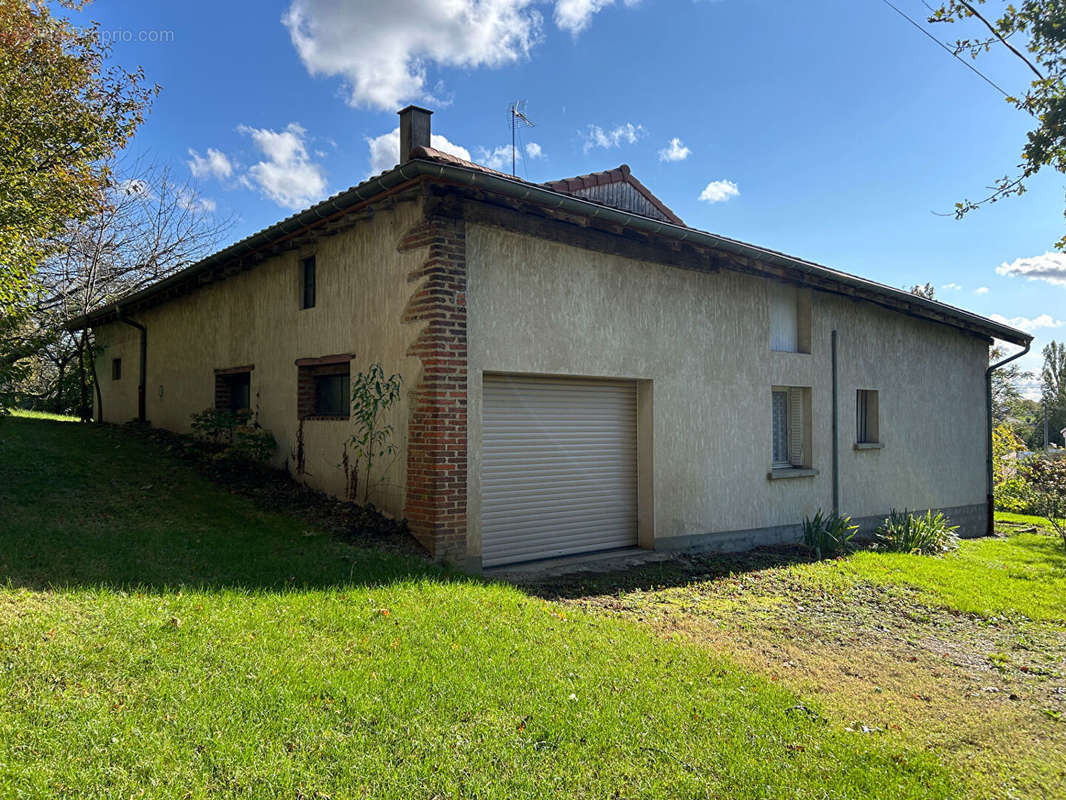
<point x="309" y="282"/>
<point x="240" y="391"/>
<point x="331" y="395"/>
<point x="116" y="369"/>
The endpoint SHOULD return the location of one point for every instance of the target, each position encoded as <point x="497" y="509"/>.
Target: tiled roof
<point x="620" y="174"/>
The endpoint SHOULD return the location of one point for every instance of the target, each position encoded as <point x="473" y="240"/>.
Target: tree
<point x="147" y="227"/>
<point x="1053" y="387"/>
<point x="63" y="115"/>
<point x="928" y="291"/>
<point x="1007" y="400"/>
<point x="1043" y="24"/>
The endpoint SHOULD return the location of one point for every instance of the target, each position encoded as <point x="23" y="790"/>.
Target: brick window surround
<point x="225" y="380"/>
<point x="307" y="369"/>
<point x="436" y="445"/>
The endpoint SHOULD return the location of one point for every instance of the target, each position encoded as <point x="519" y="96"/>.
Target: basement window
<point x="790" y="319"/>
<point x="867" y="422"/>
<point x="791" y="426"/>
<point x="307" y="283"/>
<point x="116" y="369"/>
<point x="324" y="391"/>
<point x="233" y="389"/>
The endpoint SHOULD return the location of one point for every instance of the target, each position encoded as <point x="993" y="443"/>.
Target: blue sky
<point x="829" y="129"/>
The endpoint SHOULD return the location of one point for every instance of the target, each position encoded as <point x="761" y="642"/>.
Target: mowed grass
<point x="161" y="637"/>
<point x="1020" y="575"/>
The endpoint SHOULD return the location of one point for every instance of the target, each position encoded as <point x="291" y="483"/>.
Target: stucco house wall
<point x="699" y="344"/>
<point x="255" y="318"/>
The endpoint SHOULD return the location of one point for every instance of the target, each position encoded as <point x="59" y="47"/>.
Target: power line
<point x="953" y="54"/>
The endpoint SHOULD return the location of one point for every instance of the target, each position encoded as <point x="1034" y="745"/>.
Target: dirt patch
<point x="985" y="694"/>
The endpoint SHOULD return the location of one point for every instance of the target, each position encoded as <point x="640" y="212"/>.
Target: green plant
<point x="235" y="433"/>
<point x="372" y="396"/>
<point x="216" y="425"/>
<point x="1047" y="485"/>
<point x="252" y="443"/>
<point x="920" y="534"/>
<point x="828" y="535"/>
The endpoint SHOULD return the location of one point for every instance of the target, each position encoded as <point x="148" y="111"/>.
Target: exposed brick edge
<point x="436" y="442"/>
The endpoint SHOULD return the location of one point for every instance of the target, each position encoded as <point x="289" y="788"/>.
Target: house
<point x="582" y="371"/>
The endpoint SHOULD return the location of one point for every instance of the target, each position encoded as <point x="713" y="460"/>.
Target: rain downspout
<point x="836" y="442"/>
<point x="142" y="379"/>
<point x="988" y="442"/>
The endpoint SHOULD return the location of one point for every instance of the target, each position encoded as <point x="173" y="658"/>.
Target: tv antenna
<point x="517" y="115"/>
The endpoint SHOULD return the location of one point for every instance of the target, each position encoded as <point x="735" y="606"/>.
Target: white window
<point x="790" y="319"/>
<point x="791" y="427"/>
<point x="867" y="427"/>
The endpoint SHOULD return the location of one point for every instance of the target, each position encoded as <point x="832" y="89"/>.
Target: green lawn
<point x="1023" y="574"/>
<point x="162" y="637"/>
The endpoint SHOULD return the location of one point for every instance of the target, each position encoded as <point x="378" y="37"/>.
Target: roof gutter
<point x="548" y="198"/>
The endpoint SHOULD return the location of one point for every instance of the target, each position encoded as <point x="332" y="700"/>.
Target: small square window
<point x="867" y="427"/>
<point x="308" y="283"/>
<point x="324" y="390"/>
<point x="791" y="427"/>
<point x="233" y="391"/>
<point x="116" y="369"/>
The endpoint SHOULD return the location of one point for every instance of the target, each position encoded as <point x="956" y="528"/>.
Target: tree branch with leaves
<point x="1042" y="24"/>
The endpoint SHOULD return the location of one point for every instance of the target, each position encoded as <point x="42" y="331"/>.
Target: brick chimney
<point x="414" y="130"/>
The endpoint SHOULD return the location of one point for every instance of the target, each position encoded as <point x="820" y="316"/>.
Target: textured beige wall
<point x="703" y="342"/>
<point x="255" y="318"/>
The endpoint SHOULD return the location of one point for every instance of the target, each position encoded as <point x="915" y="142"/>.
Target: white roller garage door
<point x="558" y="467"/>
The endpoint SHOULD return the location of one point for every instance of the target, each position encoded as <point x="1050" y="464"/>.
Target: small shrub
<point x="252" y="443"/>
<point x="828" y="535"/>
<point x="216" y="425"/>
<point x="1047" y="483"/>
<point x="920" y="534"/>
<point x="233" y="434"/>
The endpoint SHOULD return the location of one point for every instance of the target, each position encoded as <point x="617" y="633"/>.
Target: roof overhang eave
<point x="547" y="198"/>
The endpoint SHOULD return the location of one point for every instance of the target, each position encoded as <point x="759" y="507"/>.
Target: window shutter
<point x="784" y="318"/>
<point x="795" y="428"/>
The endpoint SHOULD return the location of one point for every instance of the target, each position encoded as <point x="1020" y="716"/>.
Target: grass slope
<point x="161" y="636"/>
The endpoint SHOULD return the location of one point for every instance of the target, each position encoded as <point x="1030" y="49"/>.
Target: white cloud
<point x="499" y="158"/>
<point x="627" y="133"/>
<point x="675" y="151"/>
<point x="574" y="15"/>
<point x="287" y="176"/>
<point x="1050" y="267"/>
<point x="951" y="287"/>
<point x="981" y="290"/>
<point x="385" y="150"/>
<point x="382" y="50"/>
<point x="215" y="164"/>
<point x="1029" y="325"/>
<point x="190" y="201"/>
<point x="719" y="191"/>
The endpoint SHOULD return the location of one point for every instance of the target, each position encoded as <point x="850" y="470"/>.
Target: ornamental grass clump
<point x="919" y="534"/>
<point x="828" y="535"/>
